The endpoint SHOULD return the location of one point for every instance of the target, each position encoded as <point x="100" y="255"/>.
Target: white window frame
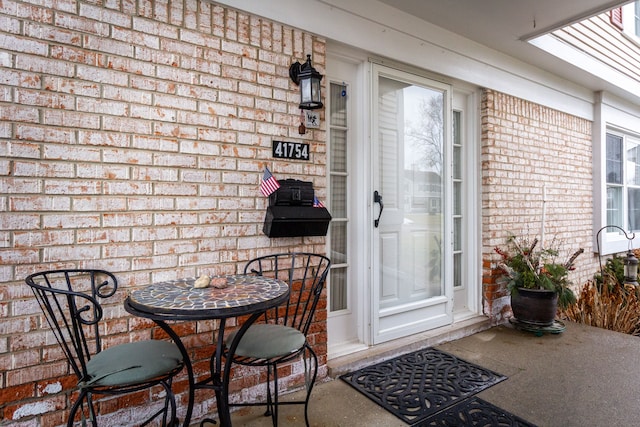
<point x="630" y="14"/>
<point x="636" y="18"/>
<point x="619" y="117"/>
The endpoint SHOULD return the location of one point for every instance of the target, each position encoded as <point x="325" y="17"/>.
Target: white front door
<point x="391" y="132"/>
<point x="410" y="201"/>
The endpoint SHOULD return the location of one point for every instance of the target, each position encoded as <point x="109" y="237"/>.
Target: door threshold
<point x="346" y="349"/>
<point x="370" y="355"/>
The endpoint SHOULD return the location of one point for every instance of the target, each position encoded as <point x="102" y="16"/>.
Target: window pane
<point x="339" y="196"/>
<point x="338" y="289"/>
<point x="338" y="105"/>
<point x="457" y="136"/>
<point x="634" y="209"/>
<point x="338" y="150"/>
<point x="457" y="163"/>
<point x="457" y="198"/>
<point x="614" y="159"/>
<point x="632" y="165"/>
<point x="637" y="18"/>
<point x="614" y="206"/>
<point x="338" y="176"/>
<point x="338" y="242"/>
<point x="457" y="234"/>
<point x="457" y="149"/>
<point x="410" y="140"/>
<point x="457" y="270"/>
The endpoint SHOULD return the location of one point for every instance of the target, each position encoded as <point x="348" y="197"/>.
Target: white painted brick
<point x="137" y="135"/>
<point x="154" y="233"/>
<point x="127" y="219"/>
<point x="150" y="203"/>
<point x="75" y="220"/>
<point x="99" y="204"/>
<point x="103" y="171"/>
<point x="103" y="235"/>
<point x="124" y="156"/>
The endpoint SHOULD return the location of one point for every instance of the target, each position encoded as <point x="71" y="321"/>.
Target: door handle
<point x="377" y="198"/>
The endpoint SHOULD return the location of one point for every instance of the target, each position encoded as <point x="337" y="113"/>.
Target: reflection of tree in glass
<point x="435" y="259"/>
<point x="427" y="135"/>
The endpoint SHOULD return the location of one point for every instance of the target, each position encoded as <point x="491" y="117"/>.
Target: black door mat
<point x="474" y="412"/>
<point x="418" y="385"/>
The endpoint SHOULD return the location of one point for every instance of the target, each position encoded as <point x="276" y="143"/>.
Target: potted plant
<point x="537" y="281"/>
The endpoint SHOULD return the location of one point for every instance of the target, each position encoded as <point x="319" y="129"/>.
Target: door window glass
<point x="411" y="143"/>
<point x="338" y="177"/>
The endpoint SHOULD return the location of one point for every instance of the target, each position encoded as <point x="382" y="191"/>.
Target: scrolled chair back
<point x="71" y="303"/>
<point x="305" y="273"/>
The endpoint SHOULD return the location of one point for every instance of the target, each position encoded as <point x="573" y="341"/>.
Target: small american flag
<point x="269" y="184"/>
<point x="317" y="203"/>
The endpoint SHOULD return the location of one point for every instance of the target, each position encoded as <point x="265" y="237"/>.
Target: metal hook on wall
<point x="626" y="235"/>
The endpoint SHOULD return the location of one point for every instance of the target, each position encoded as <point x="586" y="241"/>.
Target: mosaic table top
<point x="179" y="299"/>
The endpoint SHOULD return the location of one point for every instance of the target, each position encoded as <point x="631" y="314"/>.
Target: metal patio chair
<point x="283" y="335"/>
<point x="71" y="303"/>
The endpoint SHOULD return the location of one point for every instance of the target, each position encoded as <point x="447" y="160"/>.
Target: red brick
<point x="17" y="393"/>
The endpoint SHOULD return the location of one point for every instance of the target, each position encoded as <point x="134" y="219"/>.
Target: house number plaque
<point x="290" y="150"/>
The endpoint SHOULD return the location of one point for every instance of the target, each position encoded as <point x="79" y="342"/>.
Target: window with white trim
<point x="616" y="172"/>
<point x="623" y="180"/>
<point x="627" y="19"/>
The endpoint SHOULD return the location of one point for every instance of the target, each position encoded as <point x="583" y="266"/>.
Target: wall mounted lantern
<point x="305" y="76"/>
<point x="631" y="269"/>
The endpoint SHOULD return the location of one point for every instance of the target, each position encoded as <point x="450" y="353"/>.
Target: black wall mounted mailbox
<point x="293" y="192"/>
<point x="291" y="212"/>
<point x="294" y="221"/>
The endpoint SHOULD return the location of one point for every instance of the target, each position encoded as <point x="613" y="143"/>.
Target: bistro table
<point x="178" y="300"/>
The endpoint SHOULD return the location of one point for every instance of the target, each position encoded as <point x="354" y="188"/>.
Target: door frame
<point x="362" y="212"/>
<point x="357" y="209"/>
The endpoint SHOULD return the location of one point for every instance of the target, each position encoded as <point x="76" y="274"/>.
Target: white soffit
<point x="484" y="48"/>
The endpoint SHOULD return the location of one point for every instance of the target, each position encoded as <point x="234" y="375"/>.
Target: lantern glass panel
<point x="315" y="90"/>
<point x="631" y="269"/>
<point x="305" y="91"/>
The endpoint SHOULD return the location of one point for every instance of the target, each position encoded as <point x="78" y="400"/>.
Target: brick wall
<point x="525" y="148"/>
<point x="133" y="137"/>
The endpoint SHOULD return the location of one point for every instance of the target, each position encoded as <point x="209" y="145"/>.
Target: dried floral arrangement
<point x="525" y="265"/>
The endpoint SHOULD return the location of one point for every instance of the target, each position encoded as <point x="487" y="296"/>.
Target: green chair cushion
<point x="133" y="363"/>
<point x="266" y="341"/>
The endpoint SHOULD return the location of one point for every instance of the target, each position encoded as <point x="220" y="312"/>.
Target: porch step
<point x="351" y="362"/>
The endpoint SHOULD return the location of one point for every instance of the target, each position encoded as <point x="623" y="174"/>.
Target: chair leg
<point x="269" y="410"/>
<point x="272" y="398"/>
<point x="169" y="408"/>
<point x="84" y="395"/>
<point x="310" y="382"/>
<point x="167" y="404"/>
<point x="170" y="401"/>
<point x="274" y="417"/>
<point x="74" y="409"/>
<point x="168" y="412"/>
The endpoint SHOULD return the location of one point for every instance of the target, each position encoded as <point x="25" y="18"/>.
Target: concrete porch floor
<point x="584" y="376"/>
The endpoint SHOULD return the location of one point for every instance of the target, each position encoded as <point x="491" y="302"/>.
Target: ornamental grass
<point x="606" y="302"/>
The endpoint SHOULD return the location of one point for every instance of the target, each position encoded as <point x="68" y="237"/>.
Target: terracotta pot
<point x="535" y="306"/>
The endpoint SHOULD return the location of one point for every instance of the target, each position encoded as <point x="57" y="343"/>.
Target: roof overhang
<point x="516" y="28"/>
<point x="503" y="25"/>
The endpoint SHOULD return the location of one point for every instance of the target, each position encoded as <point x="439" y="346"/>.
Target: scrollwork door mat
<point x="417" y="385"/>
<point x="474" y="412"/>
